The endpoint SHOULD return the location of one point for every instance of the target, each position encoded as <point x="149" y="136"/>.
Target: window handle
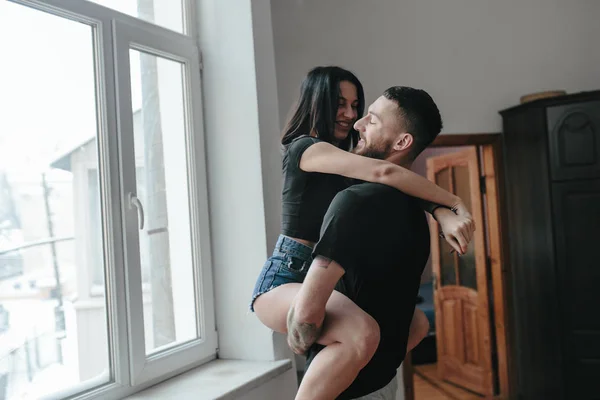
<point x="135" y="202"/>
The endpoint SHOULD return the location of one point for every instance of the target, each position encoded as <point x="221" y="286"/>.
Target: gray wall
<point x="474" y="57"/>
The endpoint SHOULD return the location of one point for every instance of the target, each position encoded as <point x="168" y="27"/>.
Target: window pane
<point x="466" y="263"/>
<point x="166" y="13"/>
<point x="162" y="187"/>
<point x="53" y="330"/>
<point x="447" y="260"/>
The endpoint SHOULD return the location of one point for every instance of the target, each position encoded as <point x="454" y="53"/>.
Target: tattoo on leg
<point x="322" y="262"/>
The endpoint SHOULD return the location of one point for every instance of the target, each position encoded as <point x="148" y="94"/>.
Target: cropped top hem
<point x="297" y="234"/>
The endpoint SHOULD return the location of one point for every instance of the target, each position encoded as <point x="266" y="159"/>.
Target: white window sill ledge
<point x="219" y="379"/>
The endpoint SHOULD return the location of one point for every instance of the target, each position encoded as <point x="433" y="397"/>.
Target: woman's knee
<point x="351" y="326"/>
<point x="367" y="337"/>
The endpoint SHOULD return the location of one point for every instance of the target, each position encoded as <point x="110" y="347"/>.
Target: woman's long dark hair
<point x="317" y="107"/>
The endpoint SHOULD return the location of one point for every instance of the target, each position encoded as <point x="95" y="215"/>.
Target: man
<point x="376" y="240"/>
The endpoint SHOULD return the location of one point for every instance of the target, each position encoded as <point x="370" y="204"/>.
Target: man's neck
<point x="400" y="159"/>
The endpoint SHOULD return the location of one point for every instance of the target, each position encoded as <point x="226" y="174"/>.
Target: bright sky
<point x="47" y="89"/>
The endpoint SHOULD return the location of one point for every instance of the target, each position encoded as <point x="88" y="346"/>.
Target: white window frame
<point x="133" y="35"/>
<point x="115" y="34"/>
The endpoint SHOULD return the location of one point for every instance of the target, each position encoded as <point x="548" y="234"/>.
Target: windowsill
<point x="219" y="379"/>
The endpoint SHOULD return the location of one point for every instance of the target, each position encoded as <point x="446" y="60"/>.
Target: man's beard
<point x="379" y="150"/>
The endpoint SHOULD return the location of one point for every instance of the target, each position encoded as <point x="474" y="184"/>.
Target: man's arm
<point x="306" y="314"/>
<point x="338" y="232"/>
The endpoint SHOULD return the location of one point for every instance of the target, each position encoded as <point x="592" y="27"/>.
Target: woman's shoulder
<point x="304" y="139"/>
<point x="300" y="144"/>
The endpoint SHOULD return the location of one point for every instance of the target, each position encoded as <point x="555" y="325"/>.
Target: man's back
<point x="381" y="239"/>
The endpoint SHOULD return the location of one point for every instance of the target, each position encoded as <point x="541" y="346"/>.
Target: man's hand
<point x="301" y="335"/>
<point x="307" y="311"/>
<point x="457" y="229"/>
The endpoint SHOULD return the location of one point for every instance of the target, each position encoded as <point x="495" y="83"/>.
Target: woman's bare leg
<point x="272" y="307"/>
<point x="351" y="337"/>
<point x="419" y="326"/>
<point x="350" y="334"/>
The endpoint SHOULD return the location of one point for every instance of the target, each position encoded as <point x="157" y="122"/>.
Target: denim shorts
<point x="288" y="264"/>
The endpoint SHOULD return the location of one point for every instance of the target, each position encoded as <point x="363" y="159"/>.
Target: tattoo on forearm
<point x="301" y="335"/>
<point x="322" y="262"/>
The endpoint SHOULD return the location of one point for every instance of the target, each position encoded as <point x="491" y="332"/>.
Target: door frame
<point x="466" y="307"/>
<point x="490" y="146"/>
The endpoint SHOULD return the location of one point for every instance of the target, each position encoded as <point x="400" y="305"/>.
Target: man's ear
<point x="404" y="141"/>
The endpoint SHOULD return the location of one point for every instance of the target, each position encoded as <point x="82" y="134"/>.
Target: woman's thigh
<point x="272" y="307"/>
<point x="342" y="316"/>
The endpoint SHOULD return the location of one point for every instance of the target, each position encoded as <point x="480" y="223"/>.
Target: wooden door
<point x="460" y="283"/>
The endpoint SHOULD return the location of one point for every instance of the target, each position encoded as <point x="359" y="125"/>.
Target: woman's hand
<point x="457" y="228"/>
<point x="462" y="211"/>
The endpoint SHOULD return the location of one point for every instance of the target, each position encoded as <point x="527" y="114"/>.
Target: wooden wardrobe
<point x="552" y="235"/>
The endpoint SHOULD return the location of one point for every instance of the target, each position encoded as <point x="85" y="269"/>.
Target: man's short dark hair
<point x="420" y="113"/>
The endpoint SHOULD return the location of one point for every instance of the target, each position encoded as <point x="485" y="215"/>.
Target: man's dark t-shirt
<point x="380" y="237"/>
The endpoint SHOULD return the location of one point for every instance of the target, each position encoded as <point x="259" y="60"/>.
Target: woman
<point x="316" y="164"/>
